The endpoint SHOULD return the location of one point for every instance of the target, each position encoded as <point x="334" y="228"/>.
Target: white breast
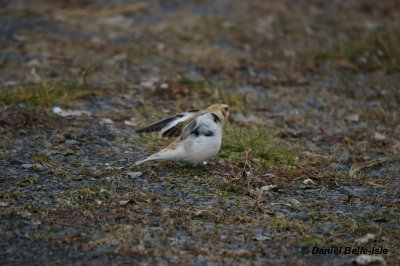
<point x="201" y="147"/>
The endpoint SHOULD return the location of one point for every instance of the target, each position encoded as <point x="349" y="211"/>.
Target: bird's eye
<point x="226" y="108"/>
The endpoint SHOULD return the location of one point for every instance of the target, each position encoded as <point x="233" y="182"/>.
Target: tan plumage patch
<point x="172" y="146"/>
<point x="174" y="131"/>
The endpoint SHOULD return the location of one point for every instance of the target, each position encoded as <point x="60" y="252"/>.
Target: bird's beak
<point x="229" y="109"/>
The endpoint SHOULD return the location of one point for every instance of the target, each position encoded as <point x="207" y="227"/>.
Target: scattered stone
<point x="365" y="239"/>
<point x="261" y="237"/>
<point x="123" y="202"/>
<point x="164" y="86"/>
<point x="3" y="204"/>
<point x="130" y="123"/>
<point x="39" y="167"/>
<point x="367" y="259"/>
<point x="352" y="118"/>
<point x="27" y="165"/>
<point x="106" y="121"/>
<point x="134" y="174"/>
<point x="267" y="187"/>
<point x="379" y="136"/>
<point x="147" y="84"/>
<point x="58" y="111"/>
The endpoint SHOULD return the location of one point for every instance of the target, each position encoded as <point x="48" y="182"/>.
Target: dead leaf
<point x="358" y="166"/>
<point x="308" y="181"/>
<point x="352" y="117"/>
<point x="200" y="213"/>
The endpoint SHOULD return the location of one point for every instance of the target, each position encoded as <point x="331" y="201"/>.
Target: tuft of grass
<point x="87" y="195"/>
<point x="378" y="53"/>
<point x="43" y="95"/>
<point x="321" y="54"/>
<point x="311" y="240"/>
<point x="253" y="142"/>
<point x="44" y="159"/>
<point x="370" y="53"/>
<point x="124" y="235"/>
<point x="33" y="207"/>
<point x="280" y="23"/>
<point x="192" y="84"/>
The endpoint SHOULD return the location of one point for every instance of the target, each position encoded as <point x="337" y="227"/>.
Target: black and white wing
<point x="205" y="124"/>
<point x="171" y="126"/>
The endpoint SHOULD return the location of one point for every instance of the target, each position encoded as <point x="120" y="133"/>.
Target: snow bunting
<point x="200" y="135"/>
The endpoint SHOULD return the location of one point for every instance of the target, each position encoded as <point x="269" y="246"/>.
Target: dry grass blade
<point x="358" y="166"/>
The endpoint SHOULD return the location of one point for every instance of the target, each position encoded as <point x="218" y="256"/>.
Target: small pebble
<point x="27" y="165"/>
<point x="134" y="174"/>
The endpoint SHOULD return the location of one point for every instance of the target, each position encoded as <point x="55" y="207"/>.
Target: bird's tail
<point x="150" y="158"/>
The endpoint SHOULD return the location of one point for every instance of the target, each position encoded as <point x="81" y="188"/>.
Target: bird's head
<point x="220" y="110"/>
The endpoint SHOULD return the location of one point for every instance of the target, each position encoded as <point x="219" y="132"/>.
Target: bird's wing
<point x="203" y="125"/>
<point x="171" y="126"/>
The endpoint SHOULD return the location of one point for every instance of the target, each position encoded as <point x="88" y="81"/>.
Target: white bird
<point x="200" y="135"/>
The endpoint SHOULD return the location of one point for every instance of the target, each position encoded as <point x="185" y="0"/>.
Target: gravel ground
<point x="310" y="160"/>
